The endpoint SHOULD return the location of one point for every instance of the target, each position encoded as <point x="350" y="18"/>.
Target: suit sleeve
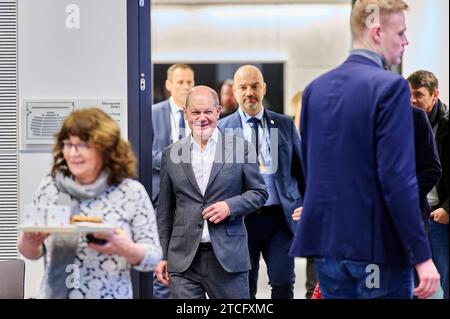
<point x="428" y="166"/>
<point x="445" y="160"/>
<point x="156" y="159"/>
<point x="254" y="194"/>
<point x="297" y="162"/>
<point x="159" y="130"/>
<point x="396" y="168"/>
<point x="156" y="153"/>
<point x="165" y="210"/>
<point x="303" y="126"/>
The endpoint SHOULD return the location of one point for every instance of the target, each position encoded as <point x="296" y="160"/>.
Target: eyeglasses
<point x="79" y="147"/>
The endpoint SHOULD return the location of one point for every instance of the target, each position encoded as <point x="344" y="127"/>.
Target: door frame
<point x="139" y="111"/>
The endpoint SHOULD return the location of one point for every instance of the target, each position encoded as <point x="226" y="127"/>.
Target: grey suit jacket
<point x="181" y="203"/>
<point x="161" y="139"/>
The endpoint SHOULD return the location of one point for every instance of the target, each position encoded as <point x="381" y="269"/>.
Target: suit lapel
<point x="275" y="139"/>
<point x="271" y="123"/>
<point x="186" y="163"/>
<point x="166" y="117"/>
<point x="234" y="123"/>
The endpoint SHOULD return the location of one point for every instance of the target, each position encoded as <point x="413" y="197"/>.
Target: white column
<point x="428" y="24"/>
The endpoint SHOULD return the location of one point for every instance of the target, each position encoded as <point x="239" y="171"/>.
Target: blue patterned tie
<point x="181" y="126"/>
<point x="254" y="122"/>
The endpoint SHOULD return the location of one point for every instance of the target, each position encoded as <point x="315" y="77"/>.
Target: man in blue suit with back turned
<point x="361" y="218"/>
<point x="270" y="229"/>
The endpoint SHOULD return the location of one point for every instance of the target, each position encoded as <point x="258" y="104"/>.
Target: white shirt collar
<point x="245" y="117"/>
<point x="212" y="139"/>
<point x="174" y="108"/>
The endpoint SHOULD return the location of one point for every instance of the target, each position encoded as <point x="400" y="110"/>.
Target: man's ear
<point x="376" y="33"/>
<point x="435" y="96"/>
<point x="168" y="87"/>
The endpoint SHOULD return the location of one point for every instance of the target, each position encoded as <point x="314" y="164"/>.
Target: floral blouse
<point x="126" y="206"/>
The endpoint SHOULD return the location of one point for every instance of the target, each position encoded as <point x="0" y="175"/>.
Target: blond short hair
<point x="175" y="66"/>
<point x="361" y="13"/>
<point x="296" y="100"/>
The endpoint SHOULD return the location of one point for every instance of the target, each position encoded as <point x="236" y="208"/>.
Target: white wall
<point x="310" y="38"/>
<point x="55" y="62"/>
<point x="428" y="27"/>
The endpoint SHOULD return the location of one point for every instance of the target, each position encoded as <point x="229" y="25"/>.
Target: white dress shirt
<point x="175" y="121"/>
<point x="264" y="157"/>
<point x="202" y="161"/>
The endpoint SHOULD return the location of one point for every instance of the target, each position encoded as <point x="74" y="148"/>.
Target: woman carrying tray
<point x="92" y="171"/>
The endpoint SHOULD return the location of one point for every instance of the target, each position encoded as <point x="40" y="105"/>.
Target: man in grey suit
<point x="168" y="127"/>
<point x="206" y="190"/>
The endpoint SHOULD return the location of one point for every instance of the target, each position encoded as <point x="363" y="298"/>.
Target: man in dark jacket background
<point x="424" y="88"/>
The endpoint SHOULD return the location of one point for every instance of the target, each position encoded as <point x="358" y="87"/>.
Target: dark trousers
<point x="160" y="291"/>
<point x="206" y="276"/>
<point x="269" y="235"/>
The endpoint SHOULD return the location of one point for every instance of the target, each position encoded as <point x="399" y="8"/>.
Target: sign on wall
<point x="43" y="118"/>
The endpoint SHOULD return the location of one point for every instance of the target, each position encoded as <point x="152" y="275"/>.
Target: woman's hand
<point x="34" y="239"/>
<point x="30" y="244"/>
<point x="119" y="243"/>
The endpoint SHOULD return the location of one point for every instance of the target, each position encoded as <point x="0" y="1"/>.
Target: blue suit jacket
<point x="161" y="139"/>
<point x="289" y="180"/>
<point x="362" y="199"/>
<point x="428" y="167"/>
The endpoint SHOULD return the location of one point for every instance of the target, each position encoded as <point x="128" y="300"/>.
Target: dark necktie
<point x="181" y="127"/>
<point x="254" y="122"/>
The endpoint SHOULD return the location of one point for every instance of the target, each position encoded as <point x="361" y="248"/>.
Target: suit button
<point x="200" y="225"/>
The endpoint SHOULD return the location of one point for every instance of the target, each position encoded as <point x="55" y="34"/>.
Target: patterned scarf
<point x="64" y="246"/>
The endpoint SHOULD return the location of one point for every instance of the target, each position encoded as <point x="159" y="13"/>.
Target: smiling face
<point x="84" y="161"/>
<point x="249" y="89"/>
<point x="202" y="113"/>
